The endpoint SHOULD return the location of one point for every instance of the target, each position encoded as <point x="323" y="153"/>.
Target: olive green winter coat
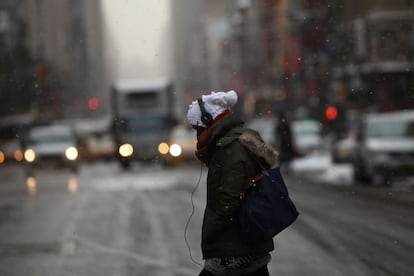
<point x="232" y="156"/>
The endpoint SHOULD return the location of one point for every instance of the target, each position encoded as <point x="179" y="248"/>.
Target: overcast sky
<point x="138" y="30"/>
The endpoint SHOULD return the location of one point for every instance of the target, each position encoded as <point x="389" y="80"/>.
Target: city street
<point x="101" y="86"/>
<point x="104" y="221"/>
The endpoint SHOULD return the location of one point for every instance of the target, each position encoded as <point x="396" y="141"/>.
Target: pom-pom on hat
<point x="214" y="103"/>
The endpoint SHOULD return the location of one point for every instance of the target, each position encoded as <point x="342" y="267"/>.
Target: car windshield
<point x="390" y="129"/>
<point x="50" y="139"/>
<point x="143" y="124"/>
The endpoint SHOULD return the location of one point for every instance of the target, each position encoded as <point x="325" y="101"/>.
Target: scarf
<point x="204" y="137"/>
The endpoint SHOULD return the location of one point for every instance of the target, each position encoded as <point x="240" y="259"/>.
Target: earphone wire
<point x="190" y="217"/>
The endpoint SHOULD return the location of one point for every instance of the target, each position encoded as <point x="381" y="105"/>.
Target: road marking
<point x="131" y="255"/>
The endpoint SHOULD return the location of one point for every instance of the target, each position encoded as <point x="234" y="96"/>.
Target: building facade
<point x="303" y="56"/>
<point x="64" y="44"/>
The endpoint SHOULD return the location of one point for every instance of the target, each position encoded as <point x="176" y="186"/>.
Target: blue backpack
<point x="266" y="208"/>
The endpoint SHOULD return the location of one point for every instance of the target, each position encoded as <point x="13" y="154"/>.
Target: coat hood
<point x="263" y="151"/>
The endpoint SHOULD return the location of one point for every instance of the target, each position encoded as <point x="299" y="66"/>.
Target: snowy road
<point x="108" y="222"/>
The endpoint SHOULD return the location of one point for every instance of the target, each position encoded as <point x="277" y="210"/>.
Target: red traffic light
<point x="331" y="113"/>
<point x="93" y="103"/>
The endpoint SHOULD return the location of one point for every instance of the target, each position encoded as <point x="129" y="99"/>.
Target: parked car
<point x="10" y="151"/>
<point x="51" y="145"/>
<point x="181" y="145"/>
<point x="99" y="146"/>
<point x="385" y="147"/>
<point x="95" y="139"/>
<point x="11" y="137"/>
<point x="307" y="136"/>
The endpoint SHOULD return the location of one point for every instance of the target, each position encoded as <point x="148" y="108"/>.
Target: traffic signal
<point x="331" y="113"/>
<point x="93" y="104"/>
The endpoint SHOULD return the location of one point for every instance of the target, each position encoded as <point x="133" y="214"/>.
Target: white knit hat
<point x="214" y="103"/>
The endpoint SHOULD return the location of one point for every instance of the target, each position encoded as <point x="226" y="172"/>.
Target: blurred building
<point x="299" y="56"/>
<point x="189" y="64"/>
<point x="64" y="49"/>
<point x="232" y="44"/>
<point x="16" y="82"/>
<point x="375" y="71"/>
<point x="254" y="54"/>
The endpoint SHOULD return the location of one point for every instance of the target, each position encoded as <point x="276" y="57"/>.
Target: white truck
<point x="142" y="116"/>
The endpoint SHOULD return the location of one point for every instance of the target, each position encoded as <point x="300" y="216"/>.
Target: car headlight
<point x="2" y="157"/>
<point x="29" y="155"/>
<point x="175" y="150"/>
<point x="18" y="155"/>
<point x="126" y="150"/>
<point x="163" y="148"/>
<point x="71" y="153"/>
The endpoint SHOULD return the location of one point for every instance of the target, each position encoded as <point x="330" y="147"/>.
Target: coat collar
<point x="251" y="140"/>
<point x="209" y="138"/>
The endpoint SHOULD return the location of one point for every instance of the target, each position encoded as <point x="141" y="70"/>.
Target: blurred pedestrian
<point x="284" y="141"/>
<point x="233" y="154"/>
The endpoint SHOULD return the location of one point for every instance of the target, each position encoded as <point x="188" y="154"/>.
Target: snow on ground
<point x="320" y="165"/>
